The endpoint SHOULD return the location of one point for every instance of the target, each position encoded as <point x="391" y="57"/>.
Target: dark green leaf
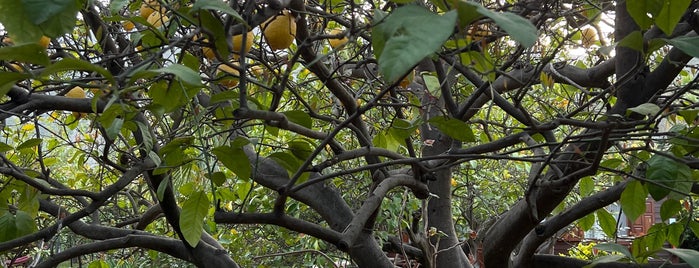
<point x="299" y="117"/>
<point x="674" y="233"/>
<point x="402" y="129"/>
<point x="633" y="200"/>
<point x="688" y="44"/>
<point x="614" y="248"/>
<point x="217" y="5"/>
<point x="8" y="79"/>
<point x="669" y="208"/>
<point x="113" y="129"/>
<point x="117" y="5"/>
<point x="14" y="226"/>
<point x="454" y="128"/>
<point x="519" y="28"/>
<point x="663" y="174"/>
<point x="39" y="11"/>
<point x="301" y="148"/>
<point x="218" y="178"/>
<point x="194" y="211"/>
<point x="234" y="159"/>
<point x="606" y="222"/>
<point x="411" y="33"/>
<point x="690" y="256"/>
<point x="29" y="53"/>
<point x="70" y="64"/>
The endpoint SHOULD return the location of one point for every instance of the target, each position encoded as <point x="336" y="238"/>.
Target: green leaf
<point x="8" y="79"/>
<point x="689" y="115"/>
<point x="234" y="159"/>
<point x="612" y="163"/>
<point x="647" y="109"/>
<point x="17" y="225"/>
<point x="669" y="208"/>
<point x="454" y="128"/>
<point x="301" y="148"/>
<point x="218" y="178"/>
<point x="633" y="200"/>
<point x="164" y="184"/>
<point x="587" y="222"/>
<point x="401" y="129"/>
<point x="690" y="256"/>
<point x="182" y="72"/>
<point x="29" y="53"/>
<point x="192" y="217"/>
<point x="98" y="264"/>
<point x="519" y="28"/>
<point x="4" y="147"/>
<point x="411" y="33"/>
<point x="670" y="15"/>
<point x="639" y="10"/>
<point x="40" y="11"/>
<point x="688" y="44"/>
<point x="299" y="117"/>
<point x="117" y="5"/>
<point x="70" y="64"/>
<point x="217" y="5"/>
<point x="114" y="128"/>
<point x="432" y="84"/>
<point x="607" y="222"/>
<point x="634" y="40"/>
<point x="674" y="233"/>
<point x="614" y="248"/>
<point x="29" y="143"/>
<point x="13" y="17"/>
<point x="664" y="173"/>
<point x="586" y="185"/>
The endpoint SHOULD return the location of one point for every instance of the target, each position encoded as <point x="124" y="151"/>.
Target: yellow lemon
<point x="280" y="31"/>
<point x="76" y="93"/>
<point x="44" y="41"/>
<point x="228" y="75"/>
<point x="257" y="70"/>
<point x="237" y="41"/>
<point x="128" y="25"/>
<point x="336" y="42"/>
<point x="157" y="19"/>
<point x="148" y="7"/>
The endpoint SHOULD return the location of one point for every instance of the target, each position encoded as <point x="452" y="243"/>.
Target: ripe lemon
<point x="76" y="93"/>
<point x="589" y="37"/>
<point x="337" y="42"/>
<point x="237" y="41"/>
<point x="257" y="70"/>
<point x="228" y="76"/>
<point x="148" y="7"/>
<point x="128" y="25"/>
<point x="44" y="41"/>
<point x="280" y="31"/>
<point x="157" y="19"/>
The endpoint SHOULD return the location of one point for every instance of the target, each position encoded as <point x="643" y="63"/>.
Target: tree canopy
<point x="279" y="133"/>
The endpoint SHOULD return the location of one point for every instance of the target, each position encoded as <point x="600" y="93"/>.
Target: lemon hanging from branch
<point x="227" y="75"/>
<point x="280" y="31"/>
<point x="237" y="41"/>
<point x="336" y="42"/>
<point x="76" y="93"/>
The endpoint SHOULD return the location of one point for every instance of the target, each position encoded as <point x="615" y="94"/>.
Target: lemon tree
<point x="211" y="133"/>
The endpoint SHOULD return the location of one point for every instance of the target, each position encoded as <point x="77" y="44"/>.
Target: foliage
<point x="146" y="131"/>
